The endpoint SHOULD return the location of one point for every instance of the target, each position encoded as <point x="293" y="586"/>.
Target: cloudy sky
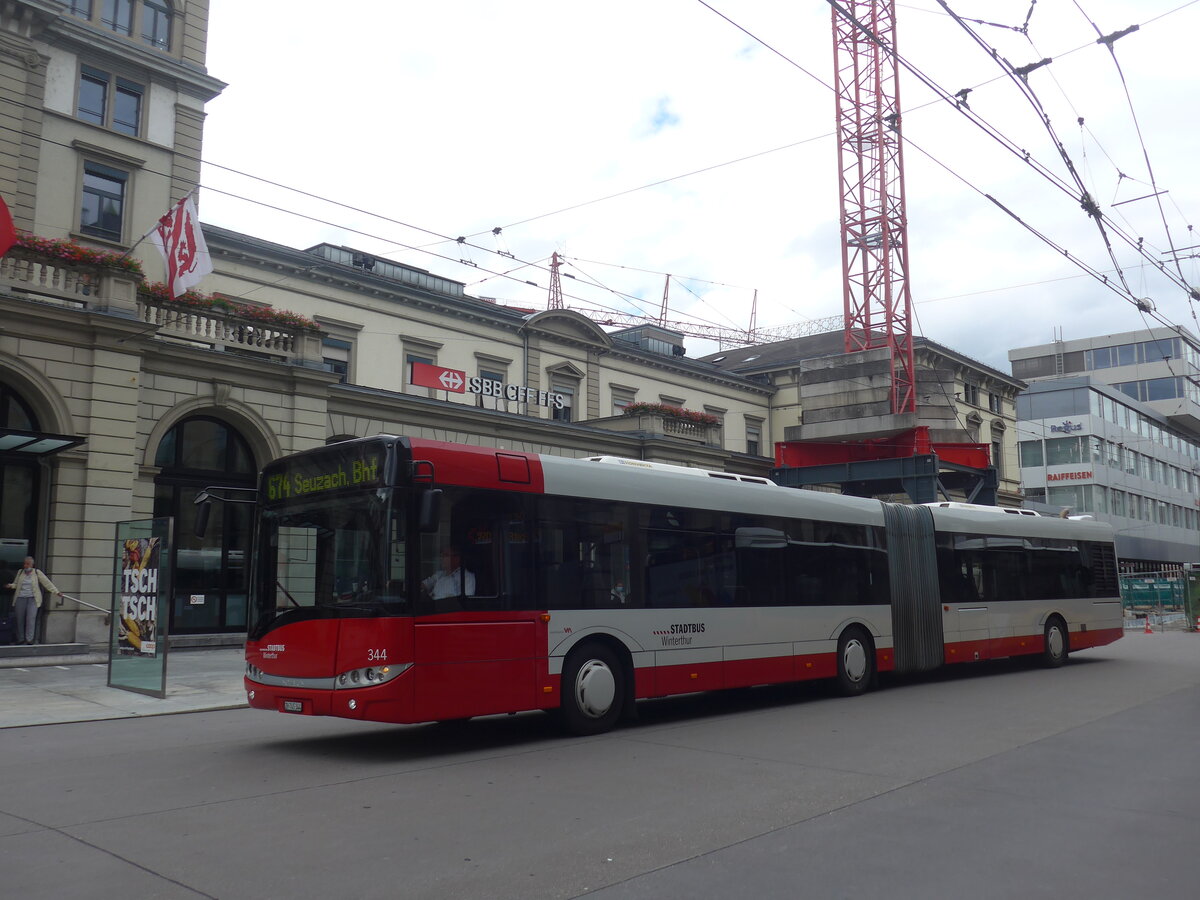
<point x="696" y="137"/>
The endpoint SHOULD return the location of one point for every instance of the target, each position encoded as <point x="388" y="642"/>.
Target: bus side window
<point x="583" y="555"/>
<point x="458" y="562"/>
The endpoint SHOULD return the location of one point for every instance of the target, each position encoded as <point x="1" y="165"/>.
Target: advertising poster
<point x="137" y="646"/>
<point x="137" y="626"/>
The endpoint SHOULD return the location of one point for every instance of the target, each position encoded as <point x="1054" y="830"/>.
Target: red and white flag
<point x="179" y="239"/>
<point x="8" y="232"/>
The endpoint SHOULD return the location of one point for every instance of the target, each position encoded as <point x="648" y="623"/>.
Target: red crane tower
<point x="877" y="302"/>
<point x="878" y="308"/>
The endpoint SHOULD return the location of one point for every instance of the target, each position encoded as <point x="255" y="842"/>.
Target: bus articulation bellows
<point x="406" y="580"/>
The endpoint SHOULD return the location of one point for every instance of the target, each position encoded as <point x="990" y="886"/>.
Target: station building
<point x="119" y="403"/>
<point x="1110" y="427"/>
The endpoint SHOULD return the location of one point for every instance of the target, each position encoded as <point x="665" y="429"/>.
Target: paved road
<point x="1000" y="781"/>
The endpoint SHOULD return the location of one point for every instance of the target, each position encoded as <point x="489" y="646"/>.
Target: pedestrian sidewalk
<point x="73" y="687"/>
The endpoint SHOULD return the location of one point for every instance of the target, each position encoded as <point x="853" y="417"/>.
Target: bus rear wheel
<point x="1057" y="645"/>
<point x="855" y="662"/>
<point x="593" y="690"/>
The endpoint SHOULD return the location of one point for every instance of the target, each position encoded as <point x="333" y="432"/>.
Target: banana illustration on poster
<point x="138" y="620"/>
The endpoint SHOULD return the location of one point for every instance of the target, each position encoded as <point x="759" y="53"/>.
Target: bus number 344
<point x="376" y="656"/>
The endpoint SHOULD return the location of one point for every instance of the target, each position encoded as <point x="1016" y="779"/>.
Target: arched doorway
<point x="212" y="572"/>
<point x="20" y="487"/>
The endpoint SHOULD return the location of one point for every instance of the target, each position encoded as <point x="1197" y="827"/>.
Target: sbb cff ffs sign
<point x="456" y="381"/>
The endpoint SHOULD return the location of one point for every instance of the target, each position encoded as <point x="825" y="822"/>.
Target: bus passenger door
<point x="967" y="626"/>
<point x="971" y="644"/>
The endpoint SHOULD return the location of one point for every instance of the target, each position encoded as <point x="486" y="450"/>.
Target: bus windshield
<point x="326" y="560"/>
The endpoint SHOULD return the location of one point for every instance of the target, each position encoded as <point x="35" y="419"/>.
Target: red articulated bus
<point x="407" y="580"/>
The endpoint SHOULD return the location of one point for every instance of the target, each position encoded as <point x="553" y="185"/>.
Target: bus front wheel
<point x="1057" y="645"/>
<point x="855" y="662"/>
<point x="593" y="689"/>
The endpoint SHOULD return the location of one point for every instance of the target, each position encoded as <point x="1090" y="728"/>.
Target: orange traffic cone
<point x="1148" y="629"/>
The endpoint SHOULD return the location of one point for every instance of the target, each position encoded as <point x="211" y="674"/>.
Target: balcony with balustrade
<point x="49" y="276"/>
<point x="660" y="421"/>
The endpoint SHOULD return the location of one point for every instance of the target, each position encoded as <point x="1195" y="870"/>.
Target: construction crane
<point x="874" y="233"/>
<point x="877" y="304"/>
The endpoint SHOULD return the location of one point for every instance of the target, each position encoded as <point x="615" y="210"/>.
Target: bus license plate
<point x="293" y="706"/>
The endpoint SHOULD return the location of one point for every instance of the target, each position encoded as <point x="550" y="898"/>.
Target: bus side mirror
<point x="430" y="512"/>
<point x="204" y="507"/>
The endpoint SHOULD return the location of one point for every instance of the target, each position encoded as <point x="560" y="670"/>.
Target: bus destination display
<point x="313" y="477"/>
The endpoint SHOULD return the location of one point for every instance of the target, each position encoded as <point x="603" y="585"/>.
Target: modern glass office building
<point x="1109" y="427"/>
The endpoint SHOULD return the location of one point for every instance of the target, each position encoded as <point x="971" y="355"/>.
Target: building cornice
<point x="88" y="41"/>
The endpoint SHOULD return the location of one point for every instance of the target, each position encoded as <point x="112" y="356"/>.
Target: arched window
<point x="974" y="421"/>
<point x="211" y="572"/>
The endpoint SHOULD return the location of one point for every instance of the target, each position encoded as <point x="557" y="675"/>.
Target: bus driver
<point x="451" y="580"/>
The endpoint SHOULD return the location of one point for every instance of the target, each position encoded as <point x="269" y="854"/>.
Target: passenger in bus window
<point x="451" y="579"/>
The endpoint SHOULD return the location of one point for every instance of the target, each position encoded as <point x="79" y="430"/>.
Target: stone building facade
<point x="118" y="404"/>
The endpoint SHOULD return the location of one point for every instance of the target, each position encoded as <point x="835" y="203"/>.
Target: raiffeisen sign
<point x="458" y="382"/>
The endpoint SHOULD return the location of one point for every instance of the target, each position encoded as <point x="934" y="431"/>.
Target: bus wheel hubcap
<point x="854" y="661"/>
<point x="595" y="688"/>
<point x="1056" y="640"/>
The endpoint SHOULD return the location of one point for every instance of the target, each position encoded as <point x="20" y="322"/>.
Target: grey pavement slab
<point x="54" y="690"/>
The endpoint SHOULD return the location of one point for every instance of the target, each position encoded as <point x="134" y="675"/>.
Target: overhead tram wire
<point x="1085" y="199"/>
<point x="988" y="129"/>
<point x="351" y="230"/>
<point x="536" y="264"/>
<point x="1109" y="41"/>
<point x="628" y="297"/>
<point x="1019" y="77"/>
<point x="389" y="240"/>
<point x="682" y="282"/>
<point x="659" y="183"/>
<point x="942" y="95"/>
<point x="704" y="169"/>
<point x="680" y="279"/>
<point x="1013" y="148"/>
<point x="595" y="262"/>
<point x="977" y="120"/>
<point x="1121" y="291"/>
<point x="446" y="238"/>
<point x="1052" y="177"/>
<point x="634" y="301"/>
